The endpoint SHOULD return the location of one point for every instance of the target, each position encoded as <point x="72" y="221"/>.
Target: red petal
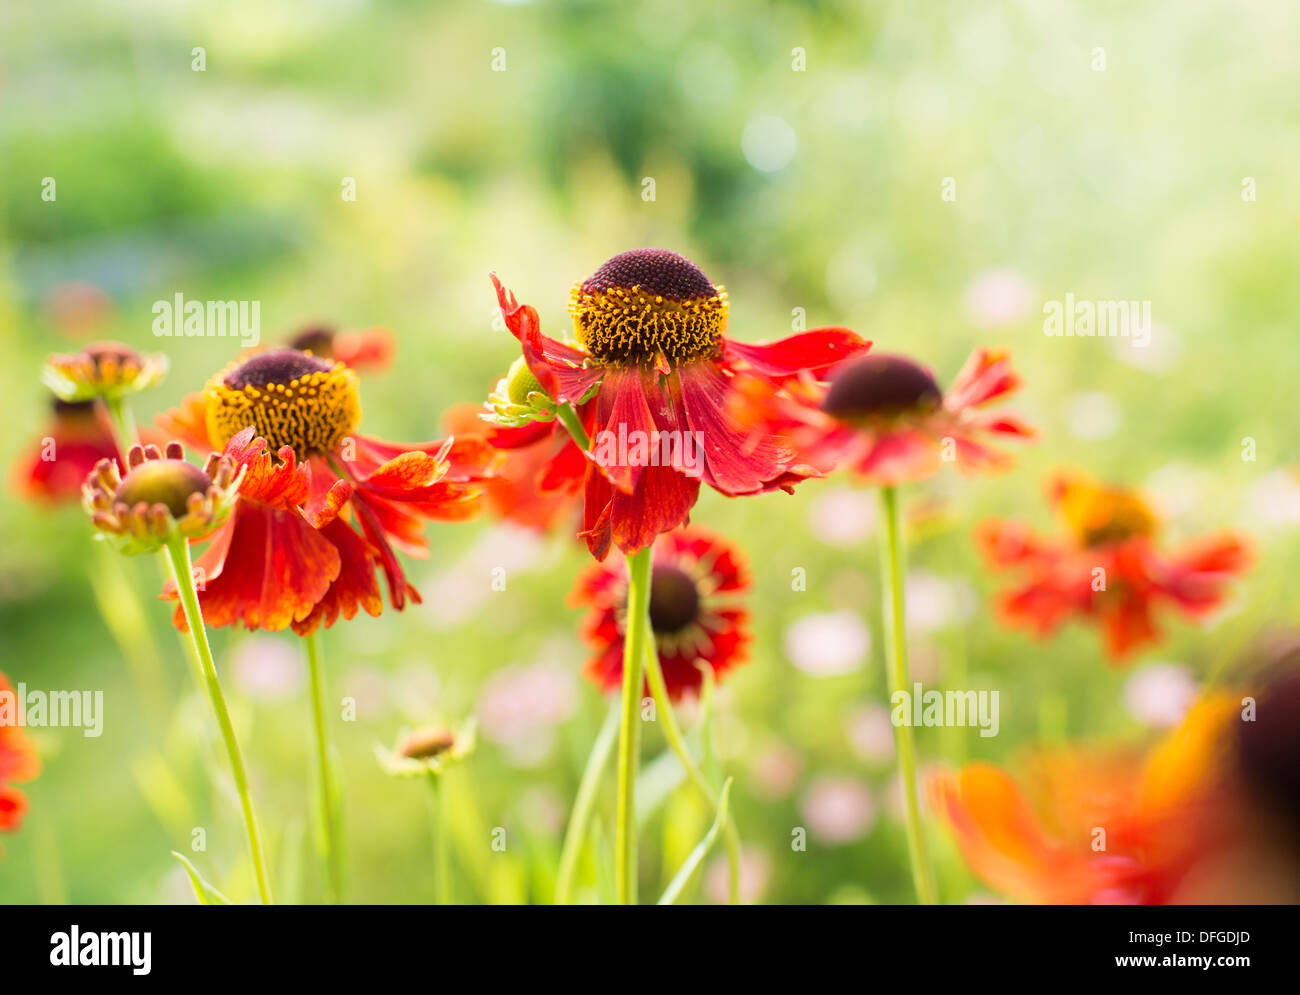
<point x="816" y="351"/>
<point x="733" y="462"/>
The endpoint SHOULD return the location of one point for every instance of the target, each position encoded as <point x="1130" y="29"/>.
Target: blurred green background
<point x="798" y="152"/>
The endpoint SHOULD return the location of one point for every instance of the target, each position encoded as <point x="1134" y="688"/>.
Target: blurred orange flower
<point x="1107" y="568"/>
<point x="1180" y="824"/>
<point x="18" y="761"/>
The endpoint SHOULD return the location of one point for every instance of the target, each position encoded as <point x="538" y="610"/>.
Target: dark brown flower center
<point x="880" y="385"/>
<point x="646" y="303"/>
<point x="168" y="482"/>
<point x="279" y="366"/>
<point x="674" y="600"/>
<point x="318" y="340"/>
<point x="1268" y="749"/>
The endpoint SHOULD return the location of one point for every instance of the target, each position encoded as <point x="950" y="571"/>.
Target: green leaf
<point x="206" y="893"/>
<point x="696" y="856"/>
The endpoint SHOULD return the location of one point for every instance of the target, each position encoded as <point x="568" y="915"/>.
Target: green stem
<point x="673" y="733"/>
<point x="629" y="738"/>
<point x="123" y="426"/>
<point x="178" y="557"/>
<point x="564" y="411"/>
<point x="328" y="799"/>
<point x="583" y="804"/>
<point x="439" y="821"/>
<point x="891" y="579"/>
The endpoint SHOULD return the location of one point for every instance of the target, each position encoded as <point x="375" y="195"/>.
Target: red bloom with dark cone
<point x="77" y="437"/>
<point x="695" y="577"/>
<point x="370" y="349"/>
<point x="884" y="416"/>
<point x="18" y="761"/>
<point x="657" y="371"/>
<point x="1107" y="569"/>
<point x="320" y="508"/>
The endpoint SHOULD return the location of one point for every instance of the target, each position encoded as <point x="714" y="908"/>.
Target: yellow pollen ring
<point x="311" y="414"/>
<point x="630" y="325"/>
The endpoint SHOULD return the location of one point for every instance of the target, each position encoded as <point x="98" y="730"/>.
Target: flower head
<point x="103" y="369"/>
<point x="368" y="349"/>
<point x="1181" y="822"/>
<point x="77" y="436"/>
<point x="1107" y="568"/>
<point x="695" y="578"/>
<point x="322" y="508"/>
<point x="160" y="498"/>
<point x="428" y="750"/>
<point x="18" y="760"/>
<point x="885" y="417"/>
<point x="652" y="372"/>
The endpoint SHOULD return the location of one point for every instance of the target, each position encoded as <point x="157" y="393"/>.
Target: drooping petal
<point x="356" y="585"/>
<point x="816" y="351"/>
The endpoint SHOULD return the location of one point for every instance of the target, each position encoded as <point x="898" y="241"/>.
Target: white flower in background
<point x="1092" y="416"/>
<point x="871" y="734"/>
<point x="266" y="668"/>
<point x="520" y="706"/>
<point x="935" y="602"/>
<point x="1161" y="352"/>
<point x="775" y="771"/>
<point x="842" y="516"/>
<point x="1176" y="489"/>
<point x="459" y="592"/>
<point x="1275" y="499"/>
<point x="1159" y="694"/>
<point x="838" y="810"/>
<point x="755" y="872"/>
<point x="828" y="644"/>
<point x="368" y="687"/>
<point x="768" y="143"/>
<point x="999" y="297"/>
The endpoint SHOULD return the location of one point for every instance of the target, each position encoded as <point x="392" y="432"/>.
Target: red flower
<point x="694" y="623"/>
<point x="370" y="349"/>
<point x="314" y="521"/>
<point x="18" y="761"/>
<point x="654" y="365"/>
<point x="885" y="417"/>
<point x="77" y="437"/>
<point x="1108" y="568"/>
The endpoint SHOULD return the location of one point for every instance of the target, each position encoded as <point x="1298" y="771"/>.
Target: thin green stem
<point x="123" y="426"/>
<point x="564" y="411"/>
<point x="439" y="822"/>
<point x="330" y="803"/>
<point x="893" y="610"/>
<point x="583" y="804"/>
<point x="673" y="733"/>
<point x="178" y="557"/>
<point x="629" y="738"/>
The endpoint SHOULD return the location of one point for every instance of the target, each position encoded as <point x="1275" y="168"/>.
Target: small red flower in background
<point x="653" y="363"/>
<point x="1209" y="815"/>
<point x="78" y="435"/>
<point x="367" y="350"/>
<point x="320" y="508"/>
<point x="1108" y="568"/>
<point x="695" y="576"/>
<point x="885" y="417"/>
<point x="18" y="761"/>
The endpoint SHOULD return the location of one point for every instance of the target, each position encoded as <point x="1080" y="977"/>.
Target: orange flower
<point x="1108" y="568"/>
<point x="885" y="418"/>
<point x="321" y="508"/>
<point x="1176" y="825"/>
<point x="370" y="349"/>
<point x="18" y="761"/>
<point x="657" y="372"/>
